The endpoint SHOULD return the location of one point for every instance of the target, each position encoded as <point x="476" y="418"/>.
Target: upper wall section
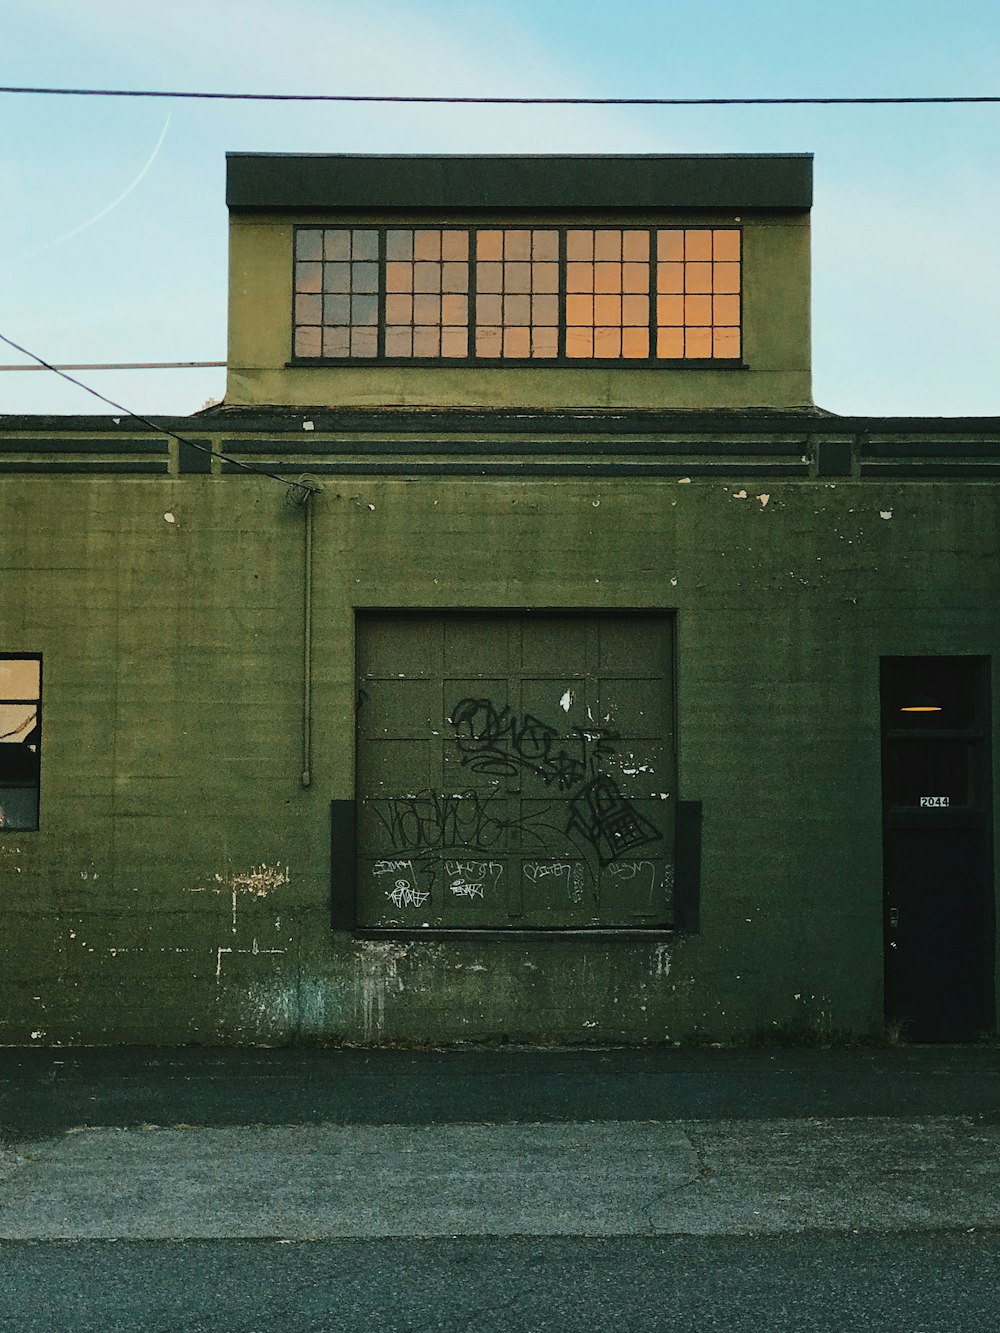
<point x="555" y="282"/>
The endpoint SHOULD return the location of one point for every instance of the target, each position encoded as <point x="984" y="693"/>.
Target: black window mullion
<point x="380" y="343"/>
<point x="561" y="343"/>
<point x="473" y="255"/>
<point x="654" y="322"/>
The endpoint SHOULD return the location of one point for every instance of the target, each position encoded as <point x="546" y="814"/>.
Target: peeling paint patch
<point x="739" y="495"/>
<point x="566" y="702"/>
<point x="763" y="498"/>
<point x="661" y="960"/>
<point x="885" y="513"/>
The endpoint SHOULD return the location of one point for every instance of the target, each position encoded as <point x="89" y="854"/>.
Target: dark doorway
<point x="936" y="806"/>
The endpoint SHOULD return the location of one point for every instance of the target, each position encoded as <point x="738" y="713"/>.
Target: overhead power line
<point x="145" y="421"/>
<point x="443" y="100"/>
<point x="123" y="365"/>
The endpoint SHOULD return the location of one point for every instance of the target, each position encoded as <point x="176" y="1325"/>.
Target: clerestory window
<point x="555" y="295"/>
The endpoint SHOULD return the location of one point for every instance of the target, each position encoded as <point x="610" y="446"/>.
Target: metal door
<point x="515" y="770"/>
<point x="938" y="916"/>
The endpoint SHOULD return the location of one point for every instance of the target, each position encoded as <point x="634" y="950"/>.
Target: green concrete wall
<point x="179" y="889"/>
<point x="776" y="290"/>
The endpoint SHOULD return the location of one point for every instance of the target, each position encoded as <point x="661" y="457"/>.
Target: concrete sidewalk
<point x="288" y="1144"/>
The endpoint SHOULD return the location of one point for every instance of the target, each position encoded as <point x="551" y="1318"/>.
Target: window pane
<point x="336" y="342"/>
<point x="544" y="342"/>
<point x="426" y="245"/>
<point x="697" y="277"/>
<point x="727" y="277"/>
<point x="726" y="245"/>
<point x="489" y="245"/>
<point x="579" y="245"/>
<point x="399" y="245"/>
<point x="337" y="244"/>
<point x="455" y="342"/>
<point x="545" y="245"/>
<point x="670" y="343"/>
<point x="364" y="277"/>
<point x="336" y="310"/>
<point x="308" y="310"/>
<point x="698" y="310"/>
<point x="399" y="342"/>
<point x="488" y="341"/>
<point x="670" y="245"/>
<point x="635" y="342"/>
<point x="517" y="245"/>
<point x="454" y="245"/>
<point x="698" y="343"/>
<point x="607" y="244"/>
<point x="364" y="342"/>
<point x="364" y="309"/>
<point x="579" y="342"/>
<point x="697" y="245"/>
<point x="309" y="342"/>
<point x="726" y="343"/>
<point x="309" y="244"/>
<point x="364" y="245"/>
<point x="336" y="277"/>
<point x="308" y="277"/>
<point x="17" y="723"/>
<point x="635" y="245"/>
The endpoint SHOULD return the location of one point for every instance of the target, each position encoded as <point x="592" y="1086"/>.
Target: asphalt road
<point x="809" y="1283"/>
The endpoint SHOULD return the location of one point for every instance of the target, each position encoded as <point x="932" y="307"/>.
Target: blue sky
<point x="906" y="272"/>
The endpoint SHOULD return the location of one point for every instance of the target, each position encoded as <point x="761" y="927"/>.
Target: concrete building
<point x="516" y="654"/>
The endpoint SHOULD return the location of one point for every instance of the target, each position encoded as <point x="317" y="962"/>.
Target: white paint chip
<point x="739" y="495"/>
<point x="566" y="702"/>
<point x="763" y="499"/>
<point x="684" y="481"/>
<point x="168" y="517"/>
<point x="308" y="425"/>
<point x="885" y="513"/>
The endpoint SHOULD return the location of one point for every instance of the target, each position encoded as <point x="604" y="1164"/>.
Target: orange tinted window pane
<point x="670" y="309"/>
<point x="635" y="277"/>
<point x="607" y="277"/>
<point x="454" y="277"/>
<point x="308" y="342"/>
<point x="607" y="342"/>
<point x="308" y="277"/>
<point x="454" y="309"/>
<point x="545" y="310"/>
<point x="545" y="278"/>
<point x="635" y="245"/>
<point x="337" y="244"/>
<point x="426" y="342"/>
<point x="545" y="245"/>
<point x="426" y="245"/>
<point x="670" y="277"/>
<point x="454" y="245"/>
<point x="489" y="309"/>
<point x="635" y="342"/>
<point x="726" y="343"/>
<point x="427" y="277"/>
<point x="726" y="245"/>
<point x="579" y="342"/>
<point x="516" y="342"/>
<point x="607" y="310"/>
<point x="489" y="277"/>
<point x="545" y="342"/>
<point x="698" y="342"/>
<point x="517" y="310"/>
<point x="308" y="310"/>
<point x="670" y="343"/>
<point x="698" y="310"/>
<point x="398" y="278"/>
<point x="579" y="310"/>
<point x="517" y="277"/>
<point x="488" y="341"/>
<point x="399" y="245"/>
<point x="16" y="722"/>
<point x="336" y="342"/>
<point x="454" y="342"/>
<point x="727" y="277"/>
<point x="607" y="244"/>
<point x="697" y="245"/>
<point x="427" y="310"/>
<point x="670" y="245"/>
<point x="517" y="244"/>
<point x="579" y="277"/>
<point x="399" y="309"/>
<point x="697" y="277"/>
<point x="364" y="342"/>
<point x="489" y="245"/>
<point x="579" y="245"/>
<point x="726" y="309"/>
<point x="635" y="310"/>
<point x="308" y="245"/>
<point x="399" y="342"/>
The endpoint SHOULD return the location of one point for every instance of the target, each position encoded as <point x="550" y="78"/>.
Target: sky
<point x="113" y="225"/>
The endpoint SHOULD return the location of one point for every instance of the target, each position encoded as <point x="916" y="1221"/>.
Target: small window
<point x="491" y="295"/>
<point x="20" y="741"/>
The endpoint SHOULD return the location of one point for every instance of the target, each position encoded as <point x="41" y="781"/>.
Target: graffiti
<point x="636" y="873"/>
<point x="569" y="873"/>
<point x="608" y="820"/>
<point x="505" y="744"/>
<point x="468" y="878"/>
<point x="403" y="894"/>
<point x="435" y="821"/>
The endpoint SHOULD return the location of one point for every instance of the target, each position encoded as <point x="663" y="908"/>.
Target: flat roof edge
<point x="309" y="181"/>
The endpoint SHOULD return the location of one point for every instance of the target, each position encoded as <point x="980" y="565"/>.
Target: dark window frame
<point x="34" y="784"/>
<point x="561" y="361"/>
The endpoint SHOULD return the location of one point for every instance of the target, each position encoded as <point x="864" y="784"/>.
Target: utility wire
<point x="442" y="100"/>
<point x="123" y="365"/>
<point x="161" y="430"/>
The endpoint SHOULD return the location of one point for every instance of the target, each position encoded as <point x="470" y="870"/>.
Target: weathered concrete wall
<point x="776" y="333"/>
<point x="178" y="889"/>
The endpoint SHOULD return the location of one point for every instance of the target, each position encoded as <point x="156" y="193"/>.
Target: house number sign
<point x="934" y="800"/>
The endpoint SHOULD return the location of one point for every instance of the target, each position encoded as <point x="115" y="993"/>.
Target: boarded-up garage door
<point x="515" y="770"/>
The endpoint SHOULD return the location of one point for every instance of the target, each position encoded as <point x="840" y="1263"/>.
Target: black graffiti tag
<point x="608" y="820"/>
<point x="434" y="821"/>
<point x="503" y="743"/>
